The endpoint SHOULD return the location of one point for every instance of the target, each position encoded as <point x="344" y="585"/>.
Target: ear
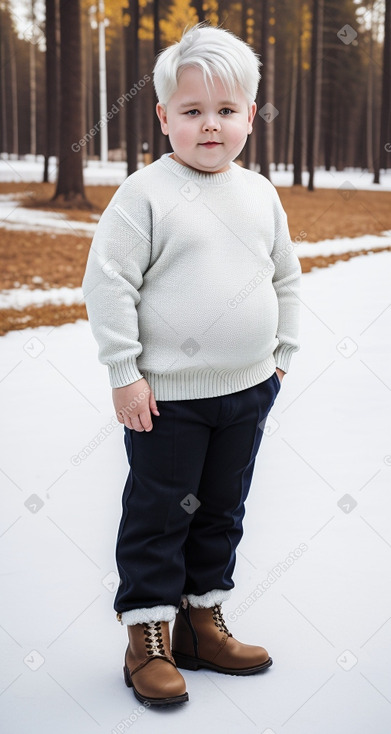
<point x="251" y="115"/>
<point x="162" y="115"/>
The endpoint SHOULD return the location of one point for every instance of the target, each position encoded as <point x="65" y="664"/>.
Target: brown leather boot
<point x="201" y="639"/>
<point x="149" y="666"/>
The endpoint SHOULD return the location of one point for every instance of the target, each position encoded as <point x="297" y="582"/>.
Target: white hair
<point x="217" y="52"/>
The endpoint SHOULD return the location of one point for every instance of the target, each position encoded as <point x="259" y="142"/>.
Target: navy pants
<point x="183" y="502"/>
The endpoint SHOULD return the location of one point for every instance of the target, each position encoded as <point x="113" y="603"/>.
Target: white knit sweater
<point x="192" y="282"/>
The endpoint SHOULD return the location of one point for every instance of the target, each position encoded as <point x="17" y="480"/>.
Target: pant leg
<point x="165" y="466"/>
<point x="216" y="529"/>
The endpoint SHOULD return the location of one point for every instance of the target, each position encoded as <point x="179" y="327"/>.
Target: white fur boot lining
<point x="216" y="596"/>
<point x="163" y="613"/>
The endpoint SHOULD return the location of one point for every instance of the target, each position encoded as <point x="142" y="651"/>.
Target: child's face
<point x="192" y="119"/>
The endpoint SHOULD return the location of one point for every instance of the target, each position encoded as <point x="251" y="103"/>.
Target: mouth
<point x="210" y="144"/>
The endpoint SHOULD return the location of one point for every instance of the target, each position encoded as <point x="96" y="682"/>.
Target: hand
<point x="280" y="373"/>
<point x="133" y="405"/>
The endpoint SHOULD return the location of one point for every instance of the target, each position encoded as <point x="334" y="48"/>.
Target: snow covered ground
<point x="15" y="217"/>
<point x="114" y="172"/>
<point x="22" y="297"/>
<point x="317" y="530"/>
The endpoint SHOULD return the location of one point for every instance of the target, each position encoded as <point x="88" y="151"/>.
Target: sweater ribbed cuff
<point x="283" y="356"/>
<point x="124" y="373"/>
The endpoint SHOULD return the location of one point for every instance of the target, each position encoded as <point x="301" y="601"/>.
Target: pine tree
<point x="70" y="184"/>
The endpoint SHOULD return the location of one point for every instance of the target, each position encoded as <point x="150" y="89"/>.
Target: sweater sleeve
<point x="118" y="258"/>
<point x="286" y="282"/>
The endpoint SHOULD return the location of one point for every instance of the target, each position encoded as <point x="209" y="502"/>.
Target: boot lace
<point x="217" y="615"/>
<point x="153" y="638"/>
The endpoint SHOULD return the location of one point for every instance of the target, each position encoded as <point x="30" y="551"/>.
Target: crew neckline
<point x="192" y="173"/>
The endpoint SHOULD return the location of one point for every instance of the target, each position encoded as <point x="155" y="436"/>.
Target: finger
<point x="127" y="421"/>
<point x="152" y="404"/>
<point x="146" y="421"/>
<point x="136" y="424"/>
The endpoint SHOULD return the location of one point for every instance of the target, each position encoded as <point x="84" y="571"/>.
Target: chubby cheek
<point x="183" y="134"/>
<point x="239" y="132"/>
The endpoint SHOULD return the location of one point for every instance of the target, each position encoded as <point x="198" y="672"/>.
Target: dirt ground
<point x="48" y="260"/>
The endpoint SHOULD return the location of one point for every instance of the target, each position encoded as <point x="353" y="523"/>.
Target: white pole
<point x="102" y="82"/>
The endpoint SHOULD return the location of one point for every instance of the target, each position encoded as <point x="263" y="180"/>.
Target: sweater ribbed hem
<point x="283" y="356"/>
<point x="124" y="373"/>
<point x="208" y="383"/>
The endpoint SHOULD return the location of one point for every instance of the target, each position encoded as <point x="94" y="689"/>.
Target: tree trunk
<point x="157" y="143"/>
<point x="369" y="106"/>
<point x="14" y="94"/>
<point x="4" y="127"/>
<point x="329" y="131"/>
<point x="265" y="96"/>
<point x="290" y="121"/>
<point x="361" y="151"/>
<point x="70" y="185"/>
<point x="85" y="27"/>
<point x="298" y="130"/>
<point x="315" y="90"/>
<point x="33" y="88"/>
<point x="132" y="76"/>
<point x="51" y="85"/>
<point x="245" y="154"/>
<point x="198" y="4"/>
<point x="385" y="113"/>
<point x="89" y="111"/>
<point x="122" y="89"/>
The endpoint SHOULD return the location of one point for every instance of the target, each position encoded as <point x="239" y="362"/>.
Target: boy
<point x="191" y="289"/>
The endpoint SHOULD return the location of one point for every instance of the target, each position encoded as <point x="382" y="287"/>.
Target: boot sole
<point x="153" y="701"/>
<point x="190" y="663"/>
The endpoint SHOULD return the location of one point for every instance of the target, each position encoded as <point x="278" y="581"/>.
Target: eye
<point x="226" y="110"/>
<point x="190" y="113"/>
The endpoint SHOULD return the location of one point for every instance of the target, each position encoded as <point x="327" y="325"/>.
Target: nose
<point x="211" y="122"/>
